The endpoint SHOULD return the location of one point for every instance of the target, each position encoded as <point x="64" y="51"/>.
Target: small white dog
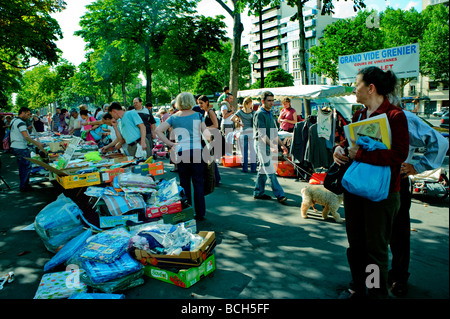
<point x="317" y="194"/>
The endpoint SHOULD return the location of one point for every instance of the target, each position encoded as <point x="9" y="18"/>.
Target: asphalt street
<point x="265" y="250"/>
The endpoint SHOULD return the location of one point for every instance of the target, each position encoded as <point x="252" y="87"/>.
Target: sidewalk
<point x="265" y="250"/>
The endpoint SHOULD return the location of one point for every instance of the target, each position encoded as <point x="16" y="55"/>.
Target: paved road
<point x="265" y="250"/>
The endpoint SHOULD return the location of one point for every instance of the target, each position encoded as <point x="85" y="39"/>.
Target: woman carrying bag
<point x="187" y="129"/>
<point x="369" y="223"/>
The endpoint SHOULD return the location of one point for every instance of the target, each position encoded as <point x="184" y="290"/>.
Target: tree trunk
<point x="124" y="92"/>
<point x="148" y="74"/>
<point x="302" y="50"/>
<point x="238" y="28"/>
<point x="302" y="54"/>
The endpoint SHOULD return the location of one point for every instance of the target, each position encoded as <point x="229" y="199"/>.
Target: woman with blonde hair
<point x="244" y="117"/>
<point x="187" y="128"/>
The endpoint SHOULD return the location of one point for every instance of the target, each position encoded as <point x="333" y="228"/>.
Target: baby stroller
<point x="160" y="150"/>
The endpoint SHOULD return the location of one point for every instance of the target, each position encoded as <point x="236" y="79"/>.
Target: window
<point x="432" y="85"/>
<point x="412" y="90"/>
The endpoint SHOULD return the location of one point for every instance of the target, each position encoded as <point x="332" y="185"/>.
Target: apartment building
<point x="281" y="40"/>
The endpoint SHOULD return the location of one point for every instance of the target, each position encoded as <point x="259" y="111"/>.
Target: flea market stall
<point x="117" y="219"/>
<point x="310" y="144"/>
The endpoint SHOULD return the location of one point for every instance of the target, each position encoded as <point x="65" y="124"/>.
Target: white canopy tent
<point x="338" y="96"/>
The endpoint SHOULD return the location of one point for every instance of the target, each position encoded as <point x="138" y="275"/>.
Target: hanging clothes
<point x="317" y="152"/>
<point x="324" y="123"/>
<point x="300" y="138"/>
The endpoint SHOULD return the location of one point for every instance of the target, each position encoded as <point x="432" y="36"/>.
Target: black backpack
<point x="146" y="119"/>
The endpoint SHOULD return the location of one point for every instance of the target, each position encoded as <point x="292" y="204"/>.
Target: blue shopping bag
<point x="366" y="180"/>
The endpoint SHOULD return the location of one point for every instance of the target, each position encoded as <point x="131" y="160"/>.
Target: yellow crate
<point x="74" y="181"/>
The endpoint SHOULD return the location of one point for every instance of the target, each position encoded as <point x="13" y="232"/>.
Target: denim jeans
<point x="188" y="172"/>
<point x="24" y="165"/>
<point x="261" y="184"/>
<point x="248" y="152"/>
<point x="266" y="169"/>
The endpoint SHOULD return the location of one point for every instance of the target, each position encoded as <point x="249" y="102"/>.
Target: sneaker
<point x="350" y="294"/>
<point x="263" y="196"/>
<point x="282" y="199"/>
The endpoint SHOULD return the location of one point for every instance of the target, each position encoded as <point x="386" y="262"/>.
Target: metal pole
<point x="261" y="53"/>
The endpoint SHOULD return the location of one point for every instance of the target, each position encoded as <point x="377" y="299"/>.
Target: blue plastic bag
<point x="366" y="180"/>
<point x="68" y="250"/>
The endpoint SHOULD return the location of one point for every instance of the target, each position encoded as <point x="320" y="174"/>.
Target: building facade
<point x="281" y="41"/>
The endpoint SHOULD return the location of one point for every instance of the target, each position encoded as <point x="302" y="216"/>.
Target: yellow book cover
<point x="376" y="127"/>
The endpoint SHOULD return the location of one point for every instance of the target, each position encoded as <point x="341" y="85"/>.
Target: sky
<point x="73" y="46"/>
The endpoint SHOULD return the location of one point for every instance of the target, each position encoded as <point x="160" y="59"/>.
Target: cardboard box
<point x="152" y="169"/>
<point x="153" y="212"/>
<point x="184" y="277"/>
<point x="80" y="180"/>
<point x="185" y="258"/>
<point x="108" y="175"/>
<point x="68" y="178"/>
<point x="183" y="216"/>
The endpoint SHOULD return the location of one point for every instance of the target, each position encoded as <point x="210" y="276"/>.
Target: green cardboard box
<point x="183" y="216"/>
<point x="184" y="277"/>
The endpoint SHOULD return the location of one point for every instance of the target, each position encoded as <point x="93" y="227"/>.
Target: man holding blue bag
<point x="368" y="222"/>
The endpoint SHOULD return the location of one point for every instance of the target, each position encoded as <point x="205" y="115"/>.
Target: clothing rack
<point x="301" y="137"/>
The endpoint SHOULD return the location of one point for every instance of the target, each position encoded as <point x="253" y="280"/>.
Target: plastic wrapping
<point x="135" y="180"/>
<point x="101" y="272"/>
<point x="68" y="250"/>
<point x="356" y="177"/>
<point x="58" y="222"/>
<point x="60" y="285"/>
<point x="107" y="246"/>
<point x="97" y="296"/>
<point x="118" y="284"/>
<point x="165" y="239"/>
<point x="168" y="193"/>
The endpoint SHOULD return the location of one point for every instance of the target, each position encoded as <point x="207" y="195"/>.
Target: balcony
<point x="266" y="35"/>
<point x="266" y="45"/>
<point x="266" y="26"/>
<point x="266" y="16"/>
<point x="268" y="64"/>
<point x="310" y="34"/>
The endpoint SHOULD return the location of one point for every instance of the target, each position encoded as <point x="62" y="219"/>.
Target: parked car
<point x="444" y="120"/>
<point x="438" y="113"/>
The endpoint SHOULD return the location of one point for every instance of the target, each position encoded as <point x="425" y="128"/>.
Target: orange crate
<point x="231" y="161"/>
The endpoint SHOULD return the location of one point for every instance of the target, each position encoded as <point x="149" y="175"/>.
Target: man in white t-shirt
<point x="19" y="139"/>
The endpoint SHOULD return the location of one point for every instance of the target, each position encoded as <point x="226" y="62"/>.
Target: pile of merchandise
<point x="142" y="228"/>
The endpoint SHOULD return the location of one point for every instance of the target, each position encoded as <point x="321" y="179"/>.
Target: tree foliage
<point x="346" y="36"/>
<point x="397" y="27"/>
<point x="434" y="44"/>
<point x="26" y="31"/>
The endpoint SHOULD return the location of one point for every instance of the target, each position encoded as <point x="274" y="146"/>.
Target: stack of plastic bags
<point x="102" y="260"/>
<point x="58" y="222"/>
<point x="164" y="239"/>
